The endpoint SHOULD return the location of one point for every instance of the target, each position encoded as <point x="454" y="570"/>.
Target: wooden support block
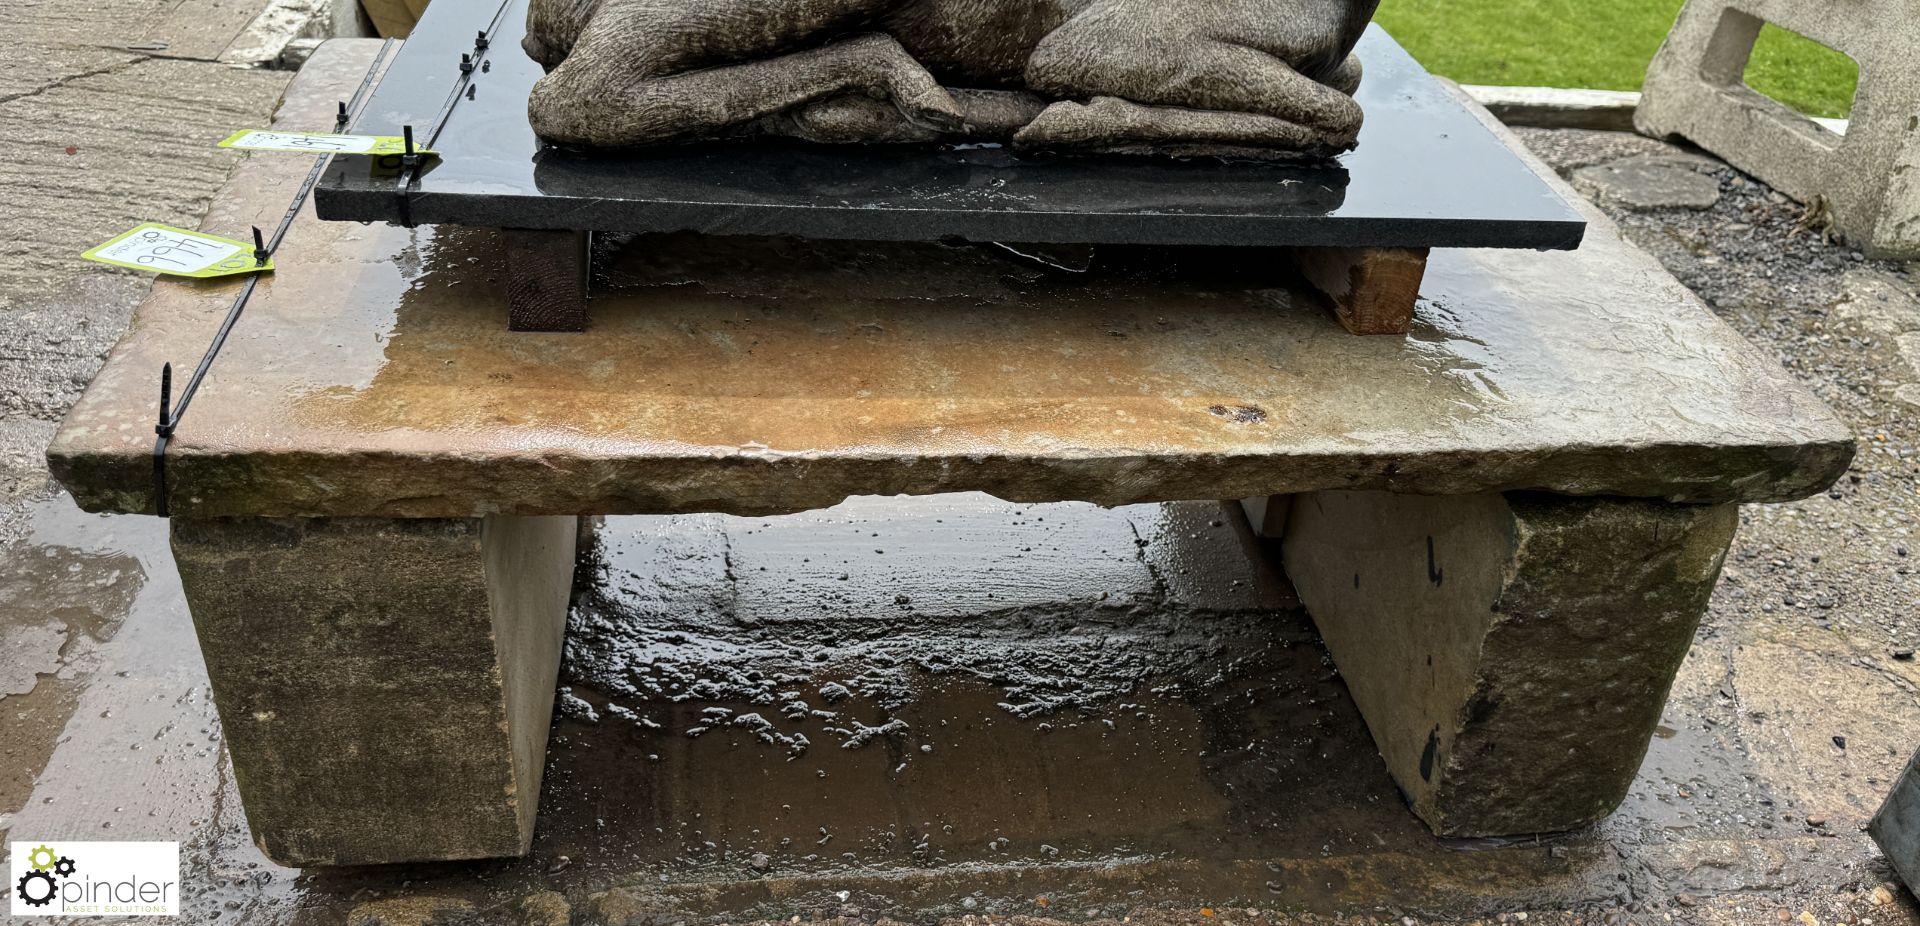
<point x="394" y="18"/>
<point x="547" y="275"/>
<point x="1373" y="289"/>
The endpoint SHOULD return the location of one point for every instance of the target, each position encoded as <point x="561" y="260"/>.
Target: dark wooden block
<point x="1373" y="289"/>
<point x="547" y="275"/>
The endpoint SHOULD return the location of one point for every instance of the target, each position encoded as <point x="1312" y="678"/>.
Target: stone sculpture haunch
<point x="1269" y="78"/>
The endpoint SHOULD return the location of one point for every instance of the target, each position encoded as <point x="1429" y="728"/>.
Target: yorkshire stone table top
<point x="373" y="374"/>
<point x="1426" y="173"/>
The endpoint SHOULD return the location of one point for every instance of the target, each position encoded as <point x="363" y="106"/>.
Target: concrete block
<point x="1511" y="653"/>
<point x="1696" y="90"/>
<point x="1897" y="826"/>
<point x="385" y="686"/>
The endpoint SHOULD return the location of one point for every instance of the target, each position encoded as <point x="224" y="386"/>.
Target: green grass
<point x="1600" y="44"/>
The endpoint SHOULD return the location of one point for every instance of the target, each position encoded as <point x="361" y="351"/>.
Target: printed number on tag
<point x="165" y="249"/>
<point x="318" y="143"/>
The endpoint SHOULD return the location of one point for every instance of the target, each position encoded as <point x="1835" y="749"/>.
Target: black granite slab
<point x="1426" y="173"/>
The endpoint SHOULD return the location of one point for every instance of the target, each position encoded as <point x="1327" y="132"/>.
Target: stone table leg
<point x="384" y="685"/>
<point x="1510" y="653"/>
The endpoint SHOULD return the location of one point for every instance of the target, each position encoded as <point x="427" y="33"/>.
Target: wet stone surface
<point x="1843" y="326"/>
<point x="1197" y="749"/>
<point x="1747" y="809"/>
<point x="1054" y="710"/>
<point x="375" y="377"/>
<point x="63" y="598"/>
<point x="776" y="605"/>
<point x="761" y="713"/>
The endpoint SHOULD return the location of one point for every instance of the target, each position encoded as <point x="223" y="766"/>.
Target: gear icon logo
<point x="36" y="897"/>
<point x="34" y="858"/>
<point x="45" y="869"/>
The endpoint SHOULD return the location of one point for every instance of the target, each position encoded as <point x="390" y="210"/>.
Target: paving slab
<point x="208" y="31"/>
<point x="373" y="374"/>
<point x="1648" y="183"/>
<point x="34" y="68"/>
<point x="117" y="141"/>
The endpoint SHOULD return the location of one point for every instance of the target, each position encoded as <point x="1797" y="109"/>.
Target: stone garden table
<point x="1506" y="524"/>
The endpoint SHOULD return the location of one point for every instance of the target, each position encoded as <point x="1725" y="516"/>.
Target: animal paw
<point x="1067" y="124"/>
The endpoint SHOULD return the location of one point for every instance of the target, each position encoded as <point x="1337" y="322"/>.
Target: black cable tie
<point x="168" y="419"/>
<point x="164" y="430"/>
<point x="409" y="169"/>
<point x="165" y="426"/>
<point x="466" y="63"/>
<point x="340" y="118"/>
<point x="480" y="41"/>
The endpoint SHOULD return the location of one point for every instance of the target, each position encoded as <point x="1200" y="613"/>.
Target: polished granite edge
<point x="509" y="211"/>
<point x="1426" y="174"/>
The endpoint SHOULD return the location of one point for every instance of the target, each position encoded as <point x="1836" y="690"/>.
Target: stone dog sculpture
<point x="1266" y="78"/>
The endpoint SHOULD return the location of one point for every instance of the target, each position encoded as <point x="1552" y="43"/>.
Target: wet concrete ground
<point x="954" y="707"/>
<point x="942" y="707"/>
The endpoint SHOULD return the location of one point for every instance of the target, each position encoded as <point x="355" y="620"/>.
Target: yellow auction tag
<point x="176" y="251"/>
<point x="318" y="143"/>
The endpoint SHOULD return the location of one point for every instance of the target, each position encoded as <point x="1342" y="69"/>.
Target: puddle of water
<point x="1125" y="691"/>
<point x="954" y="778"/>
<point x="1051" y="602"/>
<point x="71" y="582"/>
<point x="124" y="743"/>
<point x="1140" y="715"/>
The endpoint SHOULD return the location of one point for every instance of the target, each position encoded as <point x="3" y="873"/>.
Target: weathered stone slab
<point x="1696" y="89"/>
<point x="373" y="375"/>
<point x="1650" y="182"/>
<point x="384" y="686"/>
<point x="1511" y="653"/>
